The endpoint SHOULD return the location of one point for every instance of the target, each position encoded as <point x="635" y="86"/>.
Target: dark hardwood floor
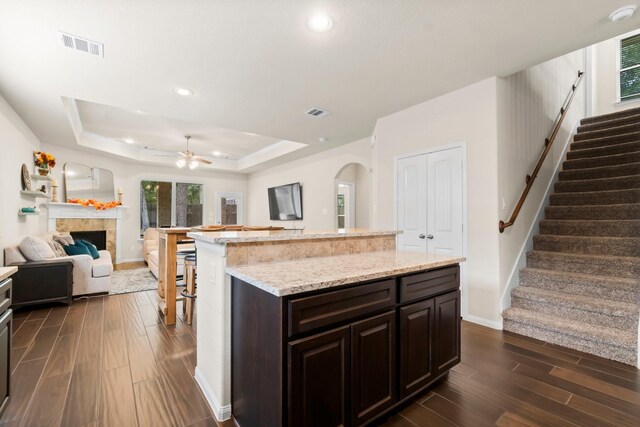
<point x="110" y="361"/>
<point x="104" y="361"/>
<point x="510" y="380"/>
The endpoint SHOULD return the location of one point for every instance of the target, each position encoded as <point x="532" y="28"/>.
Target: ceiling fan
<point x="190" y="158"/>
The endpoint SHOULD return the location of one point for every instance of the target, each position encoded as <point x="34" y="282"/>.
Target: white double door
<point x="430" y="202"/>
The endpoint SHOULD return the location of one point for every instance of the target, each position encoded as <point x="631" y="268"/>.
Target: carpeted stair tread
<point x="621" y="211"/>
<point x="601" y="334"/>
<point x="610" y="116"/>
<point x="597" y="311"/>
<point x="588" y="245"/>
<point x="603" y="228"/>
<point x="600" y="172"/>
<point x="600" y="265"/>
<point x="627" y="147"/>
<point x="594" y="162"/>
<point x="607" y="197"/>
<point x="611" y="343"/>
<point x="605" y="141"/>
<point x="607" y="287"/>
<point x="611" y="131"/>
<point x="606" y="124"/>
<point x="598" y="184"/>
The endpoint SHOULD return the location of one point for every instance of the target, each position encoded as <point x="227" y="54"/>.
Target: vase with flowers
<point x="44" y="162"/>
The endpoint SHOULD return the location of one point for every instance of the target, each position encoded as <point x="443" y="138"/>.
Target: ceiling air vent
<point x="317" y="112"/>
<point x="82" y="44"/>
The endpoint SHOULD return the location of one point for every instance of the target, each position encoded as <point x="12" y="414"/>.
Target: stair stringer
<point x="534" y="227"/>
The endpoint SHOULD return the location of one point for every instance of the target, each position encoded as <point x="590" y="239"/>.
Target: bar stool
<point x="189" y="293"/>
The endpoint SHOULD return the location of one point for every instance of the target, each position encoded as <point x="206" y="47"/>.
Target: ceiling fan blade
<point x="201" y="160"/>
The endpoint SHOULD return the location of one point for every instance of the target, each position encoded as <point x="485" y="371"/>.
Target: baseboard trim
<point x="493" y="324"/>
<point x="221" y="413"/>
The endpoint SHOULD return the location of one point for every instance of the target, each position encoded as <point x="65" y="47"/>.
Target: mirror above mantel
<point x="84" y="182"/>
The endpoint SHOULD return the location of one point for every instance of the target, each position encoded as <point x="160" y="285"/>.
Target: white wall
<point x="465" y="115"/>
<point x="128" y="176"/>
<point x="17" y="144"/>
<point x="604" y="71"/>
<point x="528" y="104"/>
<point x="317" y="175"/>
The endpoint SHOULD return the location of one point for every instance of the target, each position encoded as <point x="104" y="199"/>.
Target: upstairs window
<point x="629" y="66"/>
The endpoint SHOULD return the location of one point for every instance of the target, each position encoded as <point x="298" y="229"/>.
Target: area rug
<point x="125" y="281"/>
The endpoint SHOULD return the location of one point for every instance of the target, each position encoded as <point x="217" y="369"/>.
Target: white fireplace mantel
<point x="75" y="211"/>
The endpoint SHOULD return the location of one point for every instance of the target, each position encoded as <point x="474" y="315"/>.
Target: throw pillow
<point x="77" y="249"/>
<point x="35" y="249"/>
<point x="57" y="248"/>
<point x="92" y="248"/>
<point x="64" y="240"/>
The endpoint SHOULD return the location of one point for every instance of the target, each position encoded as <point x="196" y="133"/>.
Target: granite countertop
<point x="293" y="277"/>
<point x="224" y="237"/>
<point x="7" y="271"/>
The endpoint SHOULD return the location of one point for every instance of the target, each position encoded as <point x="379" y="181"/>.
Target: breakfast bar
<point x="355" y="276"/>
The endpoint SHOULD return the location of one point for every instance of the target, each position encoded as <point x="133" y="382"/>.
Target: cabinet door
<point x="5" y="358"/>
<point x="373" y="364"/>
<point x="447" y="331"/>
<point x="319" y="380"/>
<point x="416" y="346"/>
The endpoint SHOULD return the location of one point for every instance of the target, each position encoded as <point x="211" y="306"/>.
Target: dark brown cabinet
<point x="373" y="366"/>
<point x="341" y="357"/>
<point x="319" y="380"/>
<point x="447" y="331"/>
<point x="6" y="319"/>
<point x="416" y="346"/>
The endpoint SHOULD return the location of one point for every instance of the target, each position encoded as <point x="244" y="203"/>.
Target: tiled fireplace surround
<point x="70" y="217"/>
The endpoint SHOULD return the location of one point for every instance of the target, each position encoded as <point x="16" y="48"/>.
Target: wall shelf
<point x="35" y="177"/>
<point x="37" y="212"/>
<point x="36" y="194"/>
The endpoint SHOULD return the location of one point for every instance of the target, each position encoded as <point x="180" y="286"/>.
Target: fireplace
<point x="97" y="237"/>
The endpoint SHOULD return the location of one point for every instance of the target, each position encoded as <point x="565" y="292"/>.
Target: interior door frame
<point x="352" y="202"/>
<point x="232" y="194"/>
<point x="464" y="306"/>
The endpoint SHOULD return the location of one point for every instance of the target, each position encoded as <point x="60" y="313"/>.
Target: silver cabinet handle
<point x="430" y="236"/>
<point x="421" y="236"/>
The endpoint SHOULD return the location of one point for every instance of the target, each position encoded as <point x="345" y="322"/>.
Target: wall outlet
<point x="325" y="211"/>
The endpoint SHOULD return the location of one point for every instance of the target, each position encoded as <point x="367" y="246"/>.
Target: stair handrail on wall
<point x="548" y="142"/>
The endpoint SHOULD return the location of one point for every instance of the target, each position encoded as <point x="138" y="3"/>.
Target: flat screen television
<point x="285" y="202"/>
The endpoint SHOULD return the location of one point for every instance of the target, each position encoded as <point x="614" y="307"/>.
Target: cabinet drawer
<point x="308" y="313"/>
<point x="5" y="295"/>
<point x="433" y="282"/>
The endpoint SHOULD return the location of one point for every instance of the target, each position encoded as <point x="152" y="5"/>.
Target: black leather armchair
<point x="39" y="282"/>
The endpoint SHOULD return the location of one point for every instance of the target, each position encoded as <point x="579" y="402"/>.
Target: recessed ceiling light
<point x="216" y="153"/>
<point x="623" y="13"/>
<point x="319" y="23"/>
<point x="182" y="91"/>
<point x="128" y="140"/>
<point x="323" y="139"/>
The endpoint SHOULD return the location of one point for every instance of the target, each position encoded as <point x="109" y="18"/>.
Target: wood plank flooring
<point x="510" y="380"/>
<point x="110" y="361"/>
<point x="104" y="361"/>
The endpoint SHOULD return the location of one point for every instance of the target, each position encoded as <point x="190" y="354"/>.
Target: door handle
<point x="430" y="236"/>
<point x="422" y="236"/>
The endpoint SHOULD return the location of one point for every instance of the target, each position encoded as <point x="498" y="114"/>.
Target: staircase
<point x="581" y="286"/>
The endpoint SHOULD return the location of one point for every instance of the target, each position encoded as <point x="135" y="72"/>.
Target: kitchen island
<point x="340" y="340"/>
<point x="219" y="251"/>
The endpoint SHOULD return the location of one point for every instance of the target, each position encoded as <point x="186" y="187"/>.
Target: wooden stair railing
<point x="548" y="142"/>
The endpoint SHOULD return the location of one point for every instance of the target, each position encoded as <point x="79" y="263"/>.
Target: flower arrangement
<point x="99" y="206"/>
<point x="44" y="160"/>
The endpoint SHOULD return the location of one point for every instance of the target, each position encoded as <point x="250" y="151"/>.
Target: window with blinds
<point x="630" y="68"/>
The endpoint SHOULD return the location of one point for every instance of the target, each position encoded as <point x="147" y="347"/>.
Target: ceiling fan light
<point x="193" y="164"/>
<point x="181" y="162"/>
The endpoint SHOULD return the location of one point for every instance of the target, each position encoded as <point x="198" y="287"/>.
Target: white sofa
<point x="90" y="276"/>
